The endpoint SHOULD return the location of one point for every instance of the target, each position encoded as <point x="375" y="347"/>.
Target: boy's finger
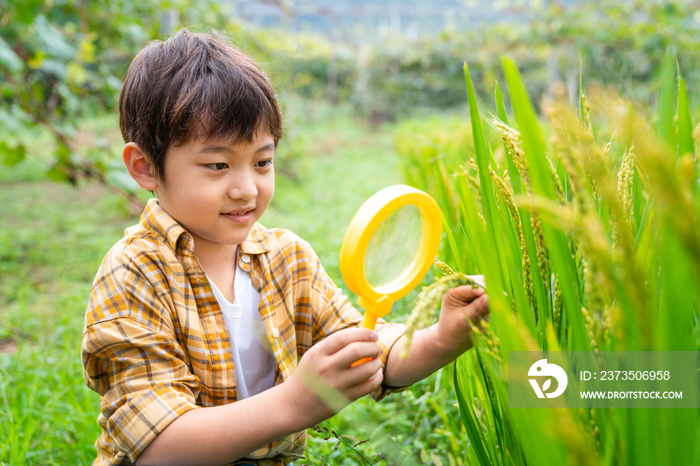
<point x="462" y="294"/>
<point x="366" y="386"/>
<point x="355" y="351"/>
<point x="358" y="374"/>
<point x="339" y="340"/>
<point x="480" y="307"/>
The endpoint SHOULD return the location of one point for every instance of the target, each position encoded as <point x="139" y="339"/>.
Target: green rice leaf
<point x="501" y="312"/>
<point x="640" y="203"/>
<point x="490" y="249"/>
<point x="666" y="106"/>
<point x="560" y="256"/>
<point x="455" y="251"/>
<point x="500" y="105"/>
<point x="515" y="269"/>
<point x="488" y="199"/>
<point x="477" y="442"/>
<point x="503" y="116"/>
<point x="686" y="145"/>
<point x="534" y="425"/>
<point x="678" y="295"/>
<point x="533" y="142"/>
<point x="494" y="415"/>
<point x="696" y="441"/>
<point x="641" y="439"/>
<point x="463" y="239"/>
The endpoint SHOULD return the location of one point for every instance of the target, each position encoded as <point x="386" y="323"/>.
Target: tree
<point x="61" y="63"/>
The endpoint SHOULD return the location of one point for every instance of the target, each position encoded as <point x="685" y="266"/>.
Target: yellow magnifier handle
<point x="377" y="300"/>
<point x="369" y="319"/>
<point x="374" y="310"/>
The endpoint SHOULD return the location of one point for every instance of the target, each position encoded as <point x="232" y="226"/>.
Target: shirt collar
<point x="158" y="221"/>
<point x="255" y="243"/>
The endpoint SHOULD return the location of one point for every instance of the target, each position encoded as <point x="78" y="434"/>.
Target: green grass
<point x="51" y="241"/>
<point x="53" y="237"/>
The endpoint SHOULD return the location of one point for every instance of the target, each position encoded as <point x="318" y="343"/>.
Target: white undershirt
<point x="252" y="356"/>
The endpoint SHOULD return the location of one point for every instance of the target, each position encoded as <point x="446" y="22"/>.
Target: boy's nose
<point x="243" y="187"/>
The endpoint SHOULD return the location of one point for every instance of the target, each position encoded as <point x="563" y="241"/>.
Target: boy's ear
<point x="140" y="168"/>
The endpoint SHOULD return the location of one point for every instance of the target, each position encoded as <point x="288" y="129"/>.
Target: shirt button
<point x="261" y="283"/>
<point x="275" y="333"/>
<point x="245" y="258"/>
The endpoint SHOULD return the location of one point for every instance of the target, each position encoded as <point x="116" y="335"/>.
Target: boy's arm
<point x="439" y="344"/>
<point x="132" y="358"/>
<point x="331" y="309"/>
<point x="219" y="435"/>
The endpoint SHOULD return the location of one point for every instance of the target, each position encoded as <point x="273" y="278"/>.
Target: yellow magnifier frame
<point x="377" y="301"/>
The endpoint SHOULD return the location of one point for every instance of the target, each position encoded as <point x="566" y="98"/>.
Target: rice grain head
<point x="473" y="183"/>
<point x="513" y="142"/>
<point x="558" y="304"/>
<point x="508" y="197"/>
<point x="566" y="145"/>
<point x="428" y="303"/>
<point x="625" y="181"/>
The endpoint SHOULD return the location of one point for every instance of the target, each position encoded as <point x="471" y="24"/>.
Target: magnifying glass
<point x="389" y="247"/>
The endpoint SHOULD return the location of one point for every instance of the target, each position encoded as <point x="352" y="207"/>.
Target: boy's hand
<point x="461" y="307"/>
<point x="324" y="382"/>
<point x="439" y="344"/>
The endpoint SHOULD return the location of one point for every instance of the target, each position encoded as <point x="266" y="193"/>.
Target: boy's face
<point x="218" y="189"/>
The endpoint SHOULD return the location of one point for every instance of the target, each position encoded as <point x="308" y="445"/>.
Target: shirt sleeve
<point x="131" y="357"/>
<point x="333" y="311"/>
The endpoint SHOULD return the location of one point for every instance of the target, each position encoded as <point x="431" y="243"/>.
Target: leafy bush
<point x="61" y="65"/>
<point x="619" y="44"/>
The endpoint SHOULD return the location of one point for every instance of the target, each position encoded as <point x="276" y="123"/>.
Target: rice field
<point x="584" y="222"/>
<point x="586" y="228"/>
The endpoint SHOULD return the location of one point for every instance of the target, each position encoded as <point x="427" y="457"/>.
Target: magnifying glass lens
<point x="393" y="245"/>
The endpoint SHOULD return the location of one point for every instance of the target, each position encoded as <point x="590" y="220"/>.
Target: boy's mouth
<point x="242" y="215"/>
<point x="241" y="211"/>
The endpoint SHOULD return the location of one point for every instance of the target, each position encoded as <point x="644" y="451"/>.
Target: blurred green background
<point x="356" y="80"/>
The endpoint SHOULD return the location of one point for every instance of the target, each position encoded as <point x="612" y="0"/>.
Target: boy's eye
<point x="264" y="163"/>
<point x="218" y="166"/>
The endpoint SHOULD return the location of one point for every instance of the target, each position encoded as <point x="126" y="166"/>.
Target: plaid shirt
<point x="155" y="343"/>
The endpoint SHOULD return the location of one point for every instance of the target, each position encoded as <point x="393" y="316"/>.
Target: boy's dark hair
<point x="194" y="85"/>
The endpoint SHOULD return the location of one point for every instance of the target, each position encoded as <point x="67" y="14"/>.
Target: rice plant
<point x="589" y="240"/>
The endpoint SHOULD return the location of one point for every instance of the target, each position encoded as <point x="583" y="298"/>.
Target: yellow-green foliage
<point x="611" y="214"/>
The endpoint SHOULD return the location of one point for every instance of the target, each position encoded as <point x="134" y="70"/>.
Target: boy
<point x="211" y="339"/>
